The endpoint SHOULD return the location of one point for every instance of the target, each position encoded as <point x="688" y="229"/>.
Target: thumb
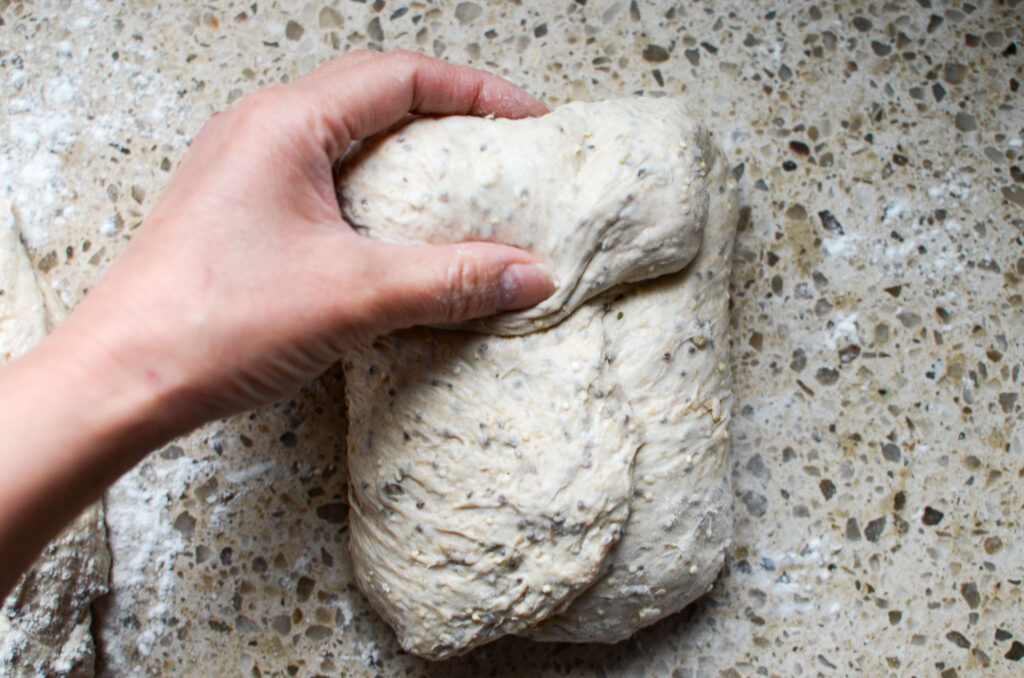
<point x="448" y="284"/>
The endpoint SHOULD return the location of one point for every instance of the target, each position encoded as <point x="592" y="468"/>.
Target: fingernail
<point x="524" y="285"/>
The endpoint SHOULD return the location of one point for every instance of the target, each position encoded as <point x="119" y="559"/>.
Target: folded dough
<point x="561" y="472"/>
<point x="604" y="193"/>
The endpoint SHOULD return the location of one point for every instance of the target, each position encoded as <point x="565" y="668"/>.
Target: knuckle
<point x="408" y="58"/>
<point x="260" y="103"/>
<point x="210" y="125"/>
<point x="259" y="113"/>
<point x="464" y="290"/>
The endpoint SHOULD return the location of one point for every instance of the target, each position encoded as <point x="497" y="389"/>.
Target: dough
<point x="561" y="472"/>
<point x="22" y="307"/>
<point x="489" y="477"/>
<point x="604" y="193"/>
<point x="45" y="622"/>
<point x="670" y="356"/>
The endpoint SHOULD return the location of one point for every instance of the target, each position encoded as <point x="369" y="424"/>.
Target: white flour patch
<point x="44" y="135"/>
<point x="141" y="532"/>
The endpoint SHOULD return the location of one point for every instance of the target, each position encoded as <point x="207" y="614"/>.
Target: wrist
<point x="87" y="414"/>
<point x="122" y="393"/>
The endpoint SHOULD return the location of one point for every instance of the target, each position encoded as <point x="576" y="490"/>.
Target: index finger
<point x="355" y="97"/>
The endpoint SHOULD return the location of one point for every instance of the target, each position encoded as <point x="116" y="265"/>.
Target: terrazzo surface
<point x="877" y="325"/>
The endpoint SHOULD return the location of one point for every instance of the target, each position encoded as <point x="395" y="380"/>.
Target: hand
<point x="245" y="280"/>
<point x="243" y="284"/>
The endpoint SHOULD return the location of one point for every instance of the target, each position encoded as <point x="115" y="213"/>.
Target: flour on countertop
<point x="43" y="133"/>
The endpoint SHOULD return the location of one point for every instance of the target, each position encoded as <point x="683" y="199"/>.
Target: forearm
<point x="72" y="422"/>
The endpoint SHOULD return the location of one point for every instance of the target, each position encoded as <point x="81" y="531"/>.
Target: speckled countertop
<point x="878" y="315"/>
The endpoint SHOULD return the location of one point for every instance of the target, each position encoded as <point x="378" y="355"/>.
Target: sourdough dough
<point x="45" y="621"/>
<point x="604" y="193"/>
<point x="560" y="472"/>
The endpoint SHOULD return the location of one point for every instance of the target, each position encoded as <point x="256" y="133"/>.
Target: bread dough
<point x="670" y="356"/>
<point x="22" y="308"/>
<point x="604" y="193"/>
<point x="45" y="623"/>
<point x="489" y="477"/>
<point x="561" y="472"/>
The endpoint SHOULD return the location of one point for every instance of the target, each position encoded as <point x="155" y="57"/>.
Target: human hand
<point x="244" y="282"/>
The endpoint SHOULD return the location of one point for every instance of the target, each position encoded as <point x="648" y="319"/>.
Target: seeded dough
<point x="605" y="193"/>
<point x="559" y="472"/>
<point x="669" y="354"/>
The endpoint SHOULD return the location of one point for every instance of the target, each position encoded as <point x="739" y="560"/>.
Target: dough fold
<point x="670" y="356"/>
<point x="559" y="472"/>
<point x="489" y="478"/>
<point x="604" y="193"/>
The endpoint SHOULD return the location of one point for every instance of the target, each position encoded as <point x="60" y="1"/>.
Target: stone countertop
<point x="877" y="324"/>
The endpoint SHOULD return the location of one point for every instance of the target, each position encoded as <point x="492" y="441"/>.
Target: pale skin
<point x="242" y="285"/>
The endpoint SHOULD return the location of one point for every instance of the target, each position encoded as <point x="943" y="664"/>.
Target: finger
<point x="366" y="96"/>
<point x="335" y="66"/>
<point x="496" y="95"/>
<point x="448" y="284"/>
